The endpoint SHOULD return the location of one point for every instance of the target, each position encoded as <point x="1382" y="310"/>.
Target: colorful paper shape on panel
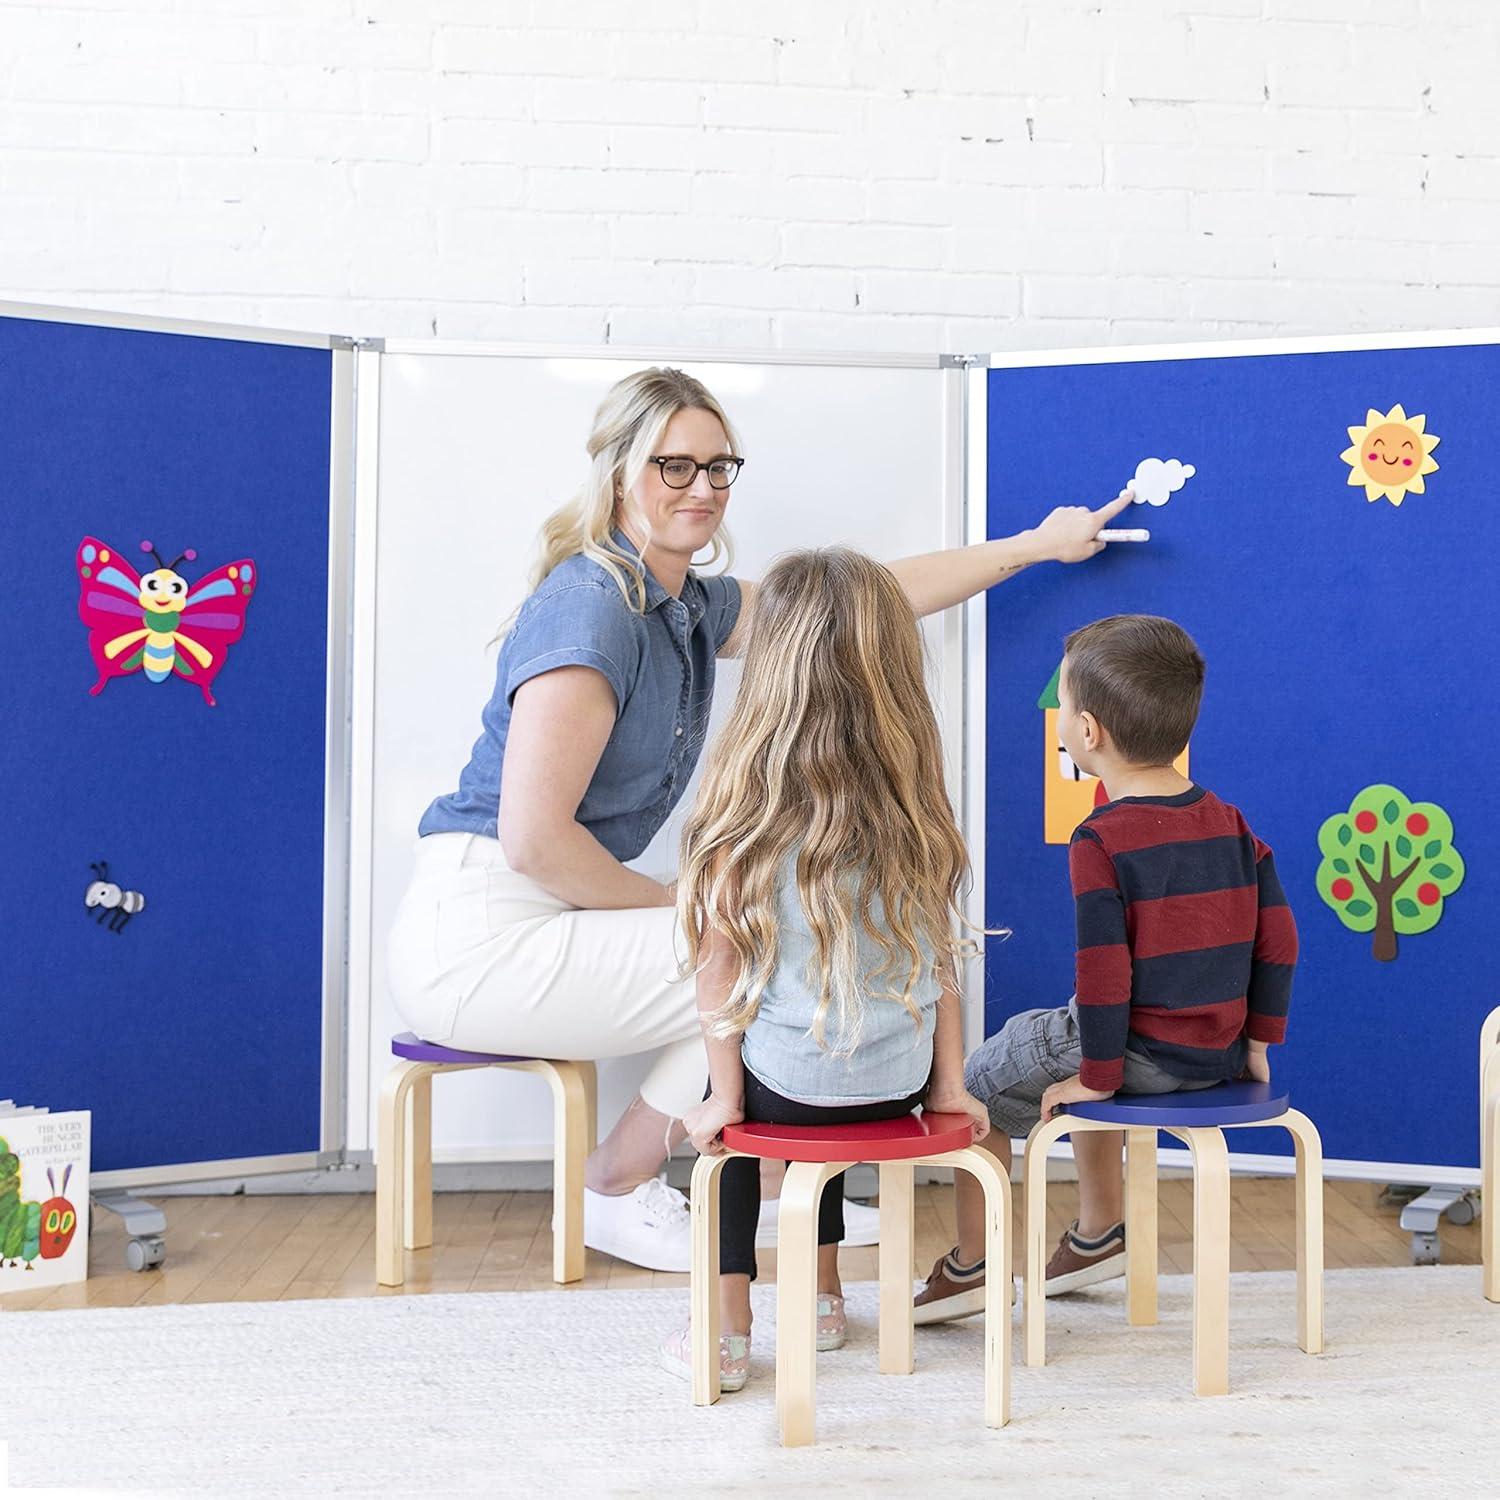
<point x="1388" y="865"/>
<point x="113" y="906"/>
<point x="1069" y="794"/>
<point x="159" y="623"/>
<point x="1158" y="479"/>
<point x="1390" y="454"/>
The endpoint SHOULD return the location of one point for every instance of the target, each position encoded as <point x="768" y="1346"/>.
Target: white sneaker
<point x="650" y="1227"/>
<point x="861" y="1224"/>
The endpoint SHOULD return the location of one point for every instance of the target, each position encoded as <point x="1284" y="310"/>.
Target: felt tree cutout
<point x="1387" y="865"/>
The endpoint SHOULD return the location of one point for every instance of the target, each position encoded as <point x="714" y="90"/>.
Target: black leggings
<point x="739" y="1182"/>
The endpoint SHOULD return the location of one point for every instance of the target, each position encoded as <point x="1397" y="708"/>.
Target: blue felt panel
<point x="1348" y="642"/>
<point x="194" y="1034"/>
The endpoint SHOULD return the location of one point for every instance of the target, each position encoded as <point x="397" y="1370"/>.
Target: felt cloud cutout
<point x="1157" y="480"/>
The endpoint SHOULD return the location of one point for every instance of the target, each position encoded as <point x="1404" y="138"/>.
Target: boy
<point x="1185" y="949"/>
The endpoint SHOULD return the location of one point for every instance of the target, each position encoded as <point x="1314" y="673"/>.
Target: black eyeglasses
<point x="679" y="473"/>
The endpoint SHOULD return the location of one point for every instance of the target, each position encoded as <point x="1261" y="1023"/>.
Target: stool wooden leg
<point x="1034" y="1313"/>
<point x="897" y="1254"/>
<point x="988" y="1173"/>
<point x="1309" y="1229"/>
<point x="570" y="1129"/>
<point x="390" y="1170"/>
<point x="416" y="1214"/>
<point x="590" y="1075"/>
<point x="1140" y="1228"/>
<point x="1489" y="1155"/>
<point x="797" y="1299"/>
<point x="704" y="1294"/>
<point x="1210" y="1259"/>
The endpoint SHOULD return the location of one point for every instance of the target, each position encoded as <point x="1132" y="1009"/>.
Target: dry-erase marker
<point x="1129" y="534"/>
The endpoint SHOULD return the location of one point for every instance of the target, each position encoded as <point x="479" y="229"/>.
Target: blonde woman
<point x="522" y="930"/>
<point x="820" y="888"/>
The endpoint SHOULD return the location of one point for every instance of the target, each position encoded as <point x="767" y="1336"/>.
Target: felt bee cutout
<point x="110" y="901"/>
<point x="159" y="623"/>
<point x="59" y="1218"/>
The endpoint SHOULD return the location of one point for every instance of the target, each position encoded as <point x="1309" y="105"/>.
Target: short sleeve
<point x="579" y="625"/>
<point x="722" y="598"/>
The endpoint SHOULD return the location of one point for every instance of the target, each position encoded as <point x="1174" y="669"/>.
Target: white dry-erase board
<point x="475" y="448"/>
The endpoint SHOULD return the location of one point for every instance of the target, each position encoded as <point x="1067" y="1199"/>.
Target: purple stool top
<point x="1223" y="1104"/>
<point x="410" y="1046"/>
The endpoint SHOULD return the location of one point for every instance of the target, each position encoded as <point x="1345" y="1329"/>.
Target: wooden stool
<point x="815" y="1154"/>
<point x="1489" y="1152"/>
<point x="403" y="1165"/>
<point x="1198" y="1118"/>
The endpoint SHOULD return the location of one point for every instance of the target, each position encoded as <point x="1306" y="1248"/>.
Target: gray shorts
<point x="1009" y="1072"/>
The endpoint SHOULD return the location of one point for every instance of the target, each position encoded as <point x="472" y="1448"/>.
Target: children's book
<point x="44" y="1197"/>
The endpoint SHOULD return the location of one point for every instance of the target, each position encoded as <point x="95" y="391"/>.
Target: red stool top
<point x="870" y="1140"/>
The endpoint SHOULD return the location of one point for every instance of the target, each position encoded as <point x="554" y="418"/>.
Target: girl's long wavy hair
<point x="628" y="428"/>
<point x="832" y="745"/>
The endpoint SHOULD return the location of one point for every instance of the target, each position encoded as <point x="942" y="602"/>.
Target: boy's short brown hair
<point x="1142" y="678"/>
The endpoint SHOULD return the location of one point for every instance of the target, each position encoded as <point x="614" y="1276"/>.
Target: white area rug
<point x="545" y="1393"/>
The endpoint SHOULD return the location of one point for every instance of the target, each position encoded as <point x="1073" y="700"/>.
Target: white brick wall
<point x="955" y="174"/>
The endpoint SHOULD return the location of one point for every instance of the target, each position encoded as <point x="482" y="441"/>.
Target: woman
<point x="522" y="930"/>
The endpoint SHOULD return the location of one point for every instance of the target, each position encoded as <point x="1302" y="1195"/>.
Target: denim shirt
<point x="894" y="1055"/>
<point x="660" y="665"/>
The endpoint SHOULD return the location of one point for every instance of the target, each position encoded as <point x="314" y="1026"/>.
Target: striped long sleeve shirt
<point x="1186" y="944"/>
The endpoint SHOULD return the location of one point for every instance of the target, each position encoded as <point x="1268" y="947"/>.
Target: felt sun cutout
<point x="1390" y="454"/>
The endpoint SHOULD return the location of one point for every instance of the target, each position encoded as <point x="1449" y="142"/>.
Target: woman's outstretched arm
<point x="935" y="580"/>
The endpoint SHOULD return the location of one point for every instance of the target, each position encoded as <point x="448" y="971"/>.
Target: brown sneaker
<point x="952" y="1291"/>
<point x="1079" y="1263"/>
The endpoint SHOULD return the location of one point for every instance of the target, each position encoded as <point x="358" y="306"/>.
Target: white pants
<point x="484" y="959"/>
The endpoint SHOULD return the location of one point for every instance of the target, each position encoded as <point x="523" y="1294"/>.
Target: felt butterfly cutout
<point x="159" y="623"/>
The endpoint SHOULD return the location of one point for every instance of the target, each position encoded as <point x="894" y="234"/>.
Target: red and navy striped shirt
<point x="1186" y="944"/>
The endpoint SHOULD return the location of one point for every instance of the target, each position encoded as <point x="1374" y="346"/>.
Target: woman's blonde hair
<point x="832" y="745"/>
<point x="628" y="426"/>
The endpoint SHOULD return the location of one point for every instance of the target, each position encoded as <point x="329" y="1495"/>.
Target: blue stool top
<point x="410" y="1046"/>
<point x="1223" y="1104"/>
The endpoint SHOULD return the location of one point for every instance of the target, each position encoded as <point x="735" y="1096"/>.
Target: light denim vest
<point x="893" y="1058"/>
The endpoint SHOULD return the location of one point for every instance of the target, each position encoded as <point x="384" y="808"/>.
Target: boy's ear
<point x="1093" y="735"/>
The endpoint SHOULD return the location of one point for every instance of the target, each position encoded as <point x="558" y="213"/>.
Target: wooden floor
<point x="252" y="1249"/>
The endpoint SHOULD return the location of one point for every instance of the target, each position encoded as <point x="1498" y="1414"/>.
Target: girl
<point x="820" y="879"/>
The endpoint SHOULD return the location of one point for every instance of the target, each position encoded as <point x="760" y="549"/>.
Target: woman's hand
<point x="959" y="1101"/>
<point x="1071" y="532"/>
<point x="704" y="1122"/>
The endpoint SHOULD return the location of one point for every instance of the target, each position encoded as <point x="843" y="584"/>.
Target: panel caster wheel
<point x="1425" y="1250"/>
<point x="1462" y="1211"/>
<point x="142" y="1254"/>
